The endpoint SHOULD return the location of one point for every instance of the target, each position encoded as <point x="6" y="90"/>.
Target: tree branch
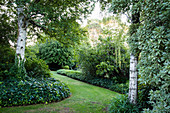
<point x="36" y="24"/>
<point x="36" y="1"/>
<point x="127" y="17"/>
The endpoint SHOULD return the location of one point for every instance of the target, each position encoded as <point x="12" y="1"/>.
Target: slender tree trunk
<point x="22" y="26"/>
<point x="119" y="56"/>
<point x="133" y="85"/>
<point x="133" y="76"/>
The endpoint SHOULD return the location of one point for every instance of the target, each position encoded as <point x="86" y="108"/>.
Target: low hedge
<point x="111" y="84"/>
<point x="14" y="92"/>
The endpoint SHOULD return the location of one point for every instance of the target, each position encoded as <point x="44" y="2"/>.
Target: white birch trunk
<point x="22" y="26"/>
<point x="133" y="84"/>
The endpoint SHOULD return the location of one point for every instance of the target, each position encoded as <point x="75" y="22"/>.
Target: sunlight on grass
<point x="85" y="98"/>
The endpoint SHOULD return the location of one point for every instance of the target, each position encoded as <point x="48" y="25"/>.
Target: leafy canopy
<point x="51" y="17"/>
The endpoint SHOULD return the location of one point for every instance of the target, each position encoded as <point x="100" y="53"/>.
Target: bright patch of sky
<point x="98" y="14"/>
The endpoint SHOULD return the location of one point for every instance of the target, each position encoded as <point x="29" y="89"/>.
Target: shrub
<point x="101" y="60"/>
<point x="70" y="73"/>
<point x="105" y="70"/>
<point x="16" y="92"/>
<point x="120" y="88"/>
<point x="36" y="68"/>
<point x="143" y="95"/>
<point x="55" y="54"/>
<point x="7" y="55"/>
<point x="88" y="61"/>
<point x="122" y="105"/>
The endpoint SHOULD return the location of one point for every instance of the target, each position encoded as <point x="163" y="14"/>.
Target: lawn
<point x="85" y="98"/>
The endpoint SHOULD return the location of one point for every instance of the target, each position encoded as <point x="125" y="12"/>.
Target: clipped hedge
<point x="14" y="92"/>
<point x="111" y="84"/>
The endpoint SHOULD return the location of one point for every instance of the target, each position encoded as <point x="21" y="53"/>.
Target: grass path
<point x="85" y="98"/>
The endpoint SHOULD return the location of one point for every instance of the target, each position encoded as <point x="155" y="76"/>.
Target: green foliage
<point x="154" y="45"/>
<point x="16" y="92"/>
<point x="70" y="73"/>
<point x="18" y="70"/>
<point x="6" y="61"/>
<point x="108" y="56"/>
<point x="104" y="69"/>
<point x="8" y="26"/>
<point x="51" y="17"/>
<point x="65" y="67"/>
<point x="102" y="60"/>
<point x="84" y="99"/>
<point x="88" y="59"/>
<point x="133" y="39"/>
<point x="152" y="40"/>
<point x="120" y="87"/>
<point x="9" y="68"/>
<point x="112" y="84"/>
<point x="122" y="105"/>
<point x="143" y="95"/>
<point x="35" y="67"/>
<point x="55" y="54"/>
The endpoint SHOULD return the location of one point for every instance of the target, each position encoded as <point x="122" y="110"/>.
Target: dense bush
<point x="34" y="66"/>
<point x="88" y="60"/>
<point x="120" y="87"/>
<point x="55" y="54"/>
<point x="7" y="55"/>
<point x="16" y="92"/>
<point x="105" y="69"/>
<point x="143" y="95"/>
<point x="19" y="88"/>
<point x="122" y="105"/>
<point x="101" y="60"/>
<point x="154" y="44"/>
<point x="113" y="84"/>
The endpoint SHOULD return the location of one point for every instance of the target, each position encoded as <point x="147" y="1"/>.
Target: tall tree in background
<point x="43" y="16"/>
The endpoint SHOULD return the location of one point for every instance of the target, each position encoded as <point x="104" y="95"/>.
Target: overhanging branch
<point x="37" y="25"/>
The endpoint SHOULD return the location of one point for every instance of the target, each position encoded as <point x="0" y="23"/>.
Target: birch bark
<point x="133" y="85"/>
<point x="22" y="26"/>
<point x="133" y="76"/>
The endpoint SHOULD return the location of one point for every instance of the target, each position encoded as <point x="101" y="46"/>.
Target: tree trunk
<point x="133" y="82"/>
<point x="22" y="26"/>
<point x="133" y="85"/>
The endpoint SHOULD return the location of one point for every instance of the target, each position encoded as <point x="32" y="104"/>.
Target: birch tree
<point x="44" y="16"/>
<point x="132" y="7"/>
<point x="133" y="82"/>
<point x="22" y="27"/>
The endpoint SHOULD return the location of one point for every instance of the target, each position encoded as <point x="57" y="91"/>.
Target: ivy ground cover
<point x="85" y="98"/>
